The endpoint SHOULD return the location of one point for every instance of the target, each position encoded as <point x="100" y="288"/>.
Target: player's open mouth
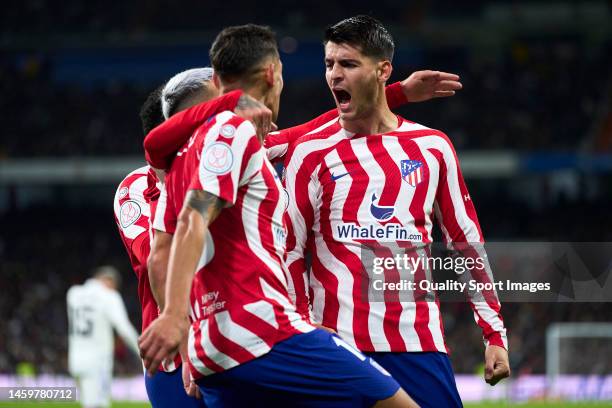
<point x="343" y="98"/>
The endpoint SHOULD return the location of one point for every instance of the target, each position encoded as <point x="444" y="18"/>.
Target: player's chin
<point x="345" y="111"/>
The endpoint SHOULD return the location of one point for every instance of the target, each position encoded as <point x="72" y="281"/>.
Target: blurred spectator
<point x="536" y="94"/>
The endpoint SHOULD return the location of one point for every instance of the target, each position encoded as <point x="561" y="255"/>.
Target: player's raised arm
<point x="422" y="86"/>
<point x="457" y="215"/>
<point x="163" y="142"/>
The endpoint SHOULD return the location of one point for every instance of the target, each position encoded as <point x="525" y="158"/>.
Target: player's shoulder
<point x="101" y="291"/>
<point x="130" y="201"/>
<point x="133" y="179"/>
<point x="410" y="129"/>
<point x="72" y="291"/>
<point x="227" y="125"/>
<point x="327" y="130"/>
<point x="317" y="141"/>
<point x="111" y="295"/>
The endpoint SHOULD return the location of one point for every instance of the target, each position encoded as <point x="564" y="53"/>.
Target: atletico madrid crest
<point x="412" y="171"/>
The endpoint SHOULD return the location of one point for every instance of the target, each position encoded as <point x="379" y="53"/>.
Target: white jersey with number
<point x="93" y="311"/>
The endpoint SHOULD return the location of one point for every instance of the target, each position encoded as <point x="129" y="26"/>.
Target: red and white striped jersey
<point x="134" y="205"/>
<point x="346" y="190"/>
<point x="239" y="302"/>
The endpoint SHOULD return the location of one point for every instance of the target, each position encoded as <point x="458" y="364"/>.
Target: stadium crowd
<point x="536" y="95"/>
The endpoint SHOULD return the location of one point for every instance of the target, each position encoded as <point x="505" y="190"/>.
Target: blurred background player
<point x="95" y="308"/>
<point x="340" y="177"/>
<point x="245" y="333"/>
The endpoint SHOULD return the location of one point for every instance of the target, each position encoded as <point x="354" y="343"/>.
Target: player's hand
<point x="191" y="388"/>
<point x="424" y="85"/>
<point x="255" y="111"/>
<point x="497" y="366"/>
<point x="162" y="339"/>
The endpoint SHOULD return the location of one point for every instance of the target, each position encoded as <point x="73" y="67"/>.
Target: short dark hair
<point x="238" y="50"/>
<point x="151" y="114"/>
<point x="363" y="31"/>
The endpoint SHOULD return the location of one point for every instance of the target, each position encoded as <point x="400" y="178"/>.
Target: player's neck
<point x="254" y="92"/>
<point x="379" y="120"/>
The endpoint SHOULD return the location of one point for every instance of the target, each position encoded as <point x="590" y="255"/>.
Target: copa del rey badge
<point x="412" y="171"/>
<point x="218" y="158"/>
<point x="129" y="213"/>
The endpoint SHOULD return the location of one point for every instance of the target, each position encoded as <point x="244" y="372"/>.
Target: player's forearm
<point x="157" y="278"/>
<point x="484" y="303"/>
<point x="297" y="287"/>
<point x="130" y="337"/>
<point x="118" y="316"/>
<point x="157" y="266"/>
<point x="184" y="254"/>
<point x="395" y="95"/>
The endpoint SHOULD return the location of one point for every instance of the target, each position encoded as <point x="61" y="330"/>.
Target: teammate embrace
<point x="239" y="317"/>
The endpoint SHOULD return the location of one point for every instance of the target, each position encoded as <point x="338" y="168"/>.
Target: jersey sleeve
<point x="228" y="162"/>
<point x="395" y="95"/>
<point x="132" y="216"/>
<point x="118" y="317"/>
<point x="163" y="142"/>
<point x="302" y="190"/>
<point x="459" y="223"/>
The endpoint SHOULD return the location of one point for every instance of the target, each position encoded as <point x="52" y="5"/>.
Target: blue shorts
<point x="165" y="390"/>
<point x="315" y="369"/>
<point x="426" y="376"/>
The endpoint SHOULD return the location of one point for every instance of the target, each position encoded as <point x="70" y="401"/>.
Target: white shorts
<point x="94" y="389"/>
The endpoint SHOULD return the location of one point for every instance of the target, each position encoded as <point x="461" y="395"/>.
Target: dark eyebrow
<point x="345" y="60"/>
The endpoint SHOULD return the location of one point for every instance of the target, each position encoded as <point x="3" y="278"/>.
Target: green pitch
<point x="28" y="404"/>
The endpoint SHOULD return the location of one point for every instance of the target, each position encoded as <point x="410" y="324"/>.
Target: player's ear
<point x="384" y="70"/>
<point x="216" y="81"/>
<point x="269" y="74"/>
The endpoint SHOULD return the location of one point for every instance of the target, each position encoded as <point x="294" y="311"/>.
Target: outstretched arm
<point x="165" y="140"/>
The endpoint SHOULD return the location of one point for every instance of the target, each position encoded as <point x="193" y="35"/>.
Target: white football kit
<point x="93" y="311"/>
